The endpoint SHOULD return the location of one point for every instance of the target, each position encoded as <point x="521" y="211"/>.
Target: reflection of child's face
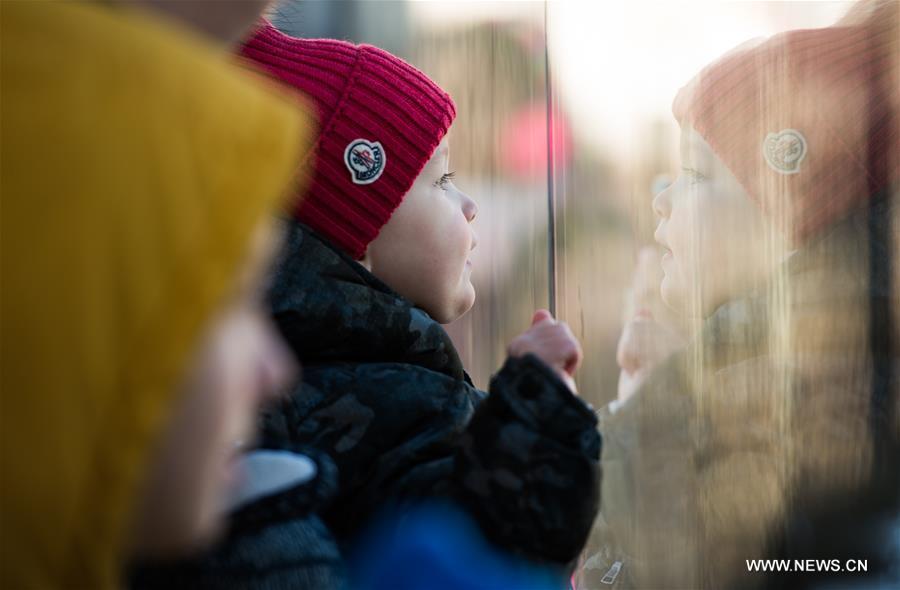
<point x="714" y="235"/>
<point x="241" y="363"/>
<point x="423" y="250"/>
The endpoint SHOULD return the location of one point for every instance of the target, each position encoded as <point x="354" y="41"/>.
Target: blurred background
<point x="609" y="71"/>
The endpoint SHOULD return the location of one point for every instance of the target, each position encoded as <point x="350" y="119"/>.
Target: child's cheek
<point x="459" y="240"/>
<point x="434" y="239"/>
<point x="689" y="248"/>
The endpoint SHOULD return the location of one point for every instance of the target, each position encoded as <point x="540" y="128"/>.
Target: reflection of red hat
<point x="806" y="120"/>
<point x="381" y="121"/>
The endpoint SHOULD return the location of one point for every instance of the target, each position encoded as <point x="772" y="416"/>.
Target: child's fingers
<point x="552" y="342"/>
<point x="629" y="352"/>
<point x="570" y="383"/>
<point x="645" y="343"/>
<point x="572" y="351"/>
<point x="560" y="346"/>
<point x="574" y="361"/>
<point x="628" y="358"/>
<point x="541" y="315"/>
<point x="628" y="384"/>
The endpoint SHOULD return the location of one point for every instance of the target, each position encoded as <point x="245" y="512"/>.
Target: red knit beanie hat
<point x="807" y="120"/>
<point x="381" y="121"/>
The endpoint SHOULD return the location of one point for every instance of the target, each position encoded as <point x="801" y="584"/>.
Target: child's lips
<point x="667" y="252"/>
<point x="667" y="256"/>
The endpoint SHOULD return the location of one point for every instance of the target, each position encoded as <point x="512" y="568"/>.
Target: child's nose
<point x="662" y="204"/>
<point x="469" y="207"/>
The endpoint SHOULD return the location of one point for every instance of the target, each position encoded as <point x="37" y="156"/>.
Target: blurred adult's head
<point x="140" y="173"/>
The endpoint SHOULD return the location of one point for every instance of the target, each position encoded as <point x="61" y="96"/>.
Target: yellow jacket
<point x="136" y="162"/>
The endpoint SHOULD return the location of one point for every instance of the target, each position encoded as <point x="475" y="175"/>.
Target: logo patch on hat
<point x="365" y="160"/>
<point x="784" y="151"/>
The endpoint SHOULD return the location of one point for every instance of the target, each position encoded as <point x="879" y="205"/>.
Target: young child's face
<point x="241" y="362"/>
<point x="713" y="233"/>
<point x="423" y="250"/>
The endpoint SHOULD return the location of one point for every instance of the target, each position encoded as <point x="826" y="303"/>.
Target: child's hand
<point x="644" y="344"/>
<point x="649" y="335"/>
<point x="553" y="343"/>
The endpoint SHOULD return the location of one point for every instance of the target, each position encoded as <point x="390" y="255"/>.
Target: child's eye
<point x="442" y="182"/>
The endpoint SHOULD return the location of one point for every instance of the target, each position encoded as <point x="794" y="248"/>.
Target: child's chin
<point x="469" y="298"/>
<point x="462" y="306"/>
<point x="467" y="307"/>
<point x="672" y="296"/>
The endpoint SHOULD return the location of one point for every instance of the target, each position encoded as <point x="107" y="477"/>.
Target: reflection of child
<point x="376" y="256"/>
<point x="787" y="145"/>
<point x="136" y="224"/>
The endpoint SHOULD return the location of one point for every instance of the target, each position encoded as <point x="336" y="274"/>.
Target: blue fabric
<point x="439" y="548"/>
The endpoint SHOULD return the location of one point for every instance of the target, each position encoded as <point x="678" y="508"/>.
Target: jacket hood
<point x="137" y="162"/>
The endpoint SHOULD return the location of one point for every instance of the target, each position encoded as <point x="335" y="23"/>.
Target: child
<point x="376" y="258"/>
<point x="136" y="226"/>
<point x="775" y="413"/>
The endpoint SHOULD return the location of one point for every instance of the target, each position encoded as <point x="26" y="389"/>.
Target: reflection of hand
<point x="644" y="344"/>
<point x="648" y="337"/>
<point x="553" y="343"/>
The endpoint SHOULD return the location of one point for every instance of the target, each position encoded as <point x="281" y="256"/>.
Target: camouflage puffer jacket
<point x="385" y="394"/>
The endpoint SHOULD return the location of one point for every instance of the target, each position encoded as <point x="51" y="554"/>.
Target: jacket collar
<point x="331" y="309"/>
